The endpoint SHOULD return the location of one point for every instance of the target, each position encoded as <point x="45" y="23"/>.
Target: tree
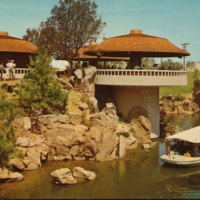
<point x="72" y="25"/>
<point x="169" y="62"/>
<point x="40" y="91"/>
<point x="190" y="65"/>
<point x="7" y="134"/>
<point x="148" y="62"/>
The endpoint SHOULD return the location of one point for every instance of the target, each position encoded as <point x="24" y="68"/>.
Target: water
<point x="140" y="174"/>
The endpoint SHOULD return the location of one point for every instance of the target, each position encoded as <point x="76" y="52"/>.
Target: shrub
<point x="91" y="106"/>
<point x="7" y="133"/>
<point x="179" y="97"/>
<point x="4" y="86"/>
<point x="40" y="91"/>
<point x="86" y="121"/>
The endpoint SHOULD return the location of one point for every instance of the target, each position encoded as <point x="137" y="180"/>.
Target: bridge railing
<point x="141" y="77"/>
<point x="115" y="72"/>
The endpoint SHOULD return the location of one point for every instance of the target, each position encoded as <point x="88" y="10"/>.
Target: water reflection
<point x="141" y="174"/>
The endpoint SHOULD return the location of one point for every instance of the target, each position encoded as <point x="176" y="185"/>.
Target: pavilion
<point x="136" y="92"/>
<point x="12" y="48"/>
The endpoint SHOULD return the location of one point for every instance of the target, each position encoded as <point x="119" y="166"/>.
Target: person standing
<point x="13" y="65"/>
<point x="1" y="69"/>
<point x="8" y="65"/>
<point x="84" y="64"/>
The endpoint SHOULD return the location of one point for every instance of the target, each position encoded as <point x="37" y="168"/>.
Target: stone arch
<point x="135" y="112"/>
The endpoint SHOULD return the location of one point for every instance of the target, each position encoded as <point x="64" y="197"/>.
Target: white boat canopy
<point x="191" y="135"/>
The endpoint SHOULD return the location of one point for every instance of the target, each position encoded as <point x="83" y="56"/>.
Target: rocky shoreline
<point x="78" y="134"/>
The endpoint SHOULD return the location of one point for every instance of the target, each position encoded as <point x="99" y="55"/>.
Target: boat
<point x="189" y="141"/>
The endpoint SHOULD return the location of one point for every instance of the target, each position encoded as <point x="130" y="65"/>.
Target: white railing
<point x="115" y="72"/>
<point x="127" y="77"/>
<point x="18" y="73"/>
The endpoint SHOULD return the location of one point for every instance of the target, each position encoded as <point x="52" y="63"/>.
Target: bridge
<point x="127" y="77"/>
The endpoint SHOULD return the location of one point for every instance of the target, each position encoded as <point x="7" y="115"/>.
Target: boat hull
<point x="180" y="160"/>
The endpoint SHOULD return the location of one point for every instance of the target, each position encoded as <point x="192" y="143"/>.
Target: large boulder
<point x="141" y="129"/>
<point x="63" y="176"/>
<point x="79" y="172"/>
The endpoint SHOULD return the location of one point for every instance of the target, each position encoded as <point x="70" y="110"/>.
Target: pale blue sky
<point x="176" y="20"/>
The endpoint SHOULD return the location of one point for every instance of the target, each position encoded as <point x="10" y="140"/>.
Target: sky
<point x="176" y="20"/>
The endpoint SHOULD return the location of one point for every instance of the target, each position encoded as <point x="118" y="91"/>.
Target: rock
<point x="63" y="176"/>
<point x="22" y="142"/>
<point x="63" y="119"/>
<point x="95" y="134"/>
<point x="94" y="101"/>
<point x="146" y="146"/>
<point x="122" y="146"/>
<point x="7" y="176"/>
<point x="75" y="118"/>
<point x="193" y="107"/>
<point x="17" y="163"/>
<point x="18" y="122"/>
<point x="83" y="106"/>
<point x="140" y="128"/>
<point x="131" y="142"/>
<point x="80" y="128"/>
<point x="79" y="172"/>
<point x="27" y="123"/>
<point x="89" y="80"/>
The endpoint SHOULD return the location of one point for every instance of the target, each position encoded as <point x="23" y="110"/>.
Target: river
<point x="140" y="174"/>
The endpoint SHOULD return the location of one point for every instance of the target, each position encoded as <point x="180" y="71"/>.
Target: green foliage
<point x="91" y="106"/>
<point x="7" y="137"/>
<point x="4" y="86"/>
<point x="175" y="90"/>
<point x="86" y="121"/>
<point x="196" y="74"/>
<point x="174" y="65"/>
<point x="148" y="62"/>
<point x="125" y="134"/>
<point x="121" y="120"/>
<point x="39" y="90"/>
<point x="179" y="97"/>
<point x="190" y="65"/>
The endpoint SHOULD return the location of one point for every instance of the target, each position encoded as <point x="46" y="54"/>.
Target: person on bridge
<point x="1" y="69"/>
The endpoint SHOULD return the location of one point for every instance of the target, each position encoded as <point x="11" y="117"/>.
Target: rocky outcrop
<point x="170" y="105"/>
<point x="66" y="137"/>
<point x="79" y="134"/>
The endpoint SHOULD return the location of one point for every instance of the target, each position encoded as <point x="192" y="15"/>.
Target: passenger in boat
<point x="174" y="149"/>
<point x="196" y="151"/>
<point x="181" y="147"/>
<point x="187" y="154"/>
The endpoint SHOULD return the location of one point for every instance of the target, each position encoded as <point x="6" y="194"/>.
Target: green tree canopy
<point x="72" y="24"/>
<point x="148" y="62"/>
<point x="40" y="91"/>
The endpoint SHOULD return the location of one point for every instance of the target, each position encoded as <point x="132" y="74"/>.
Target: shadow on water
<point x="140" y="174"/>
